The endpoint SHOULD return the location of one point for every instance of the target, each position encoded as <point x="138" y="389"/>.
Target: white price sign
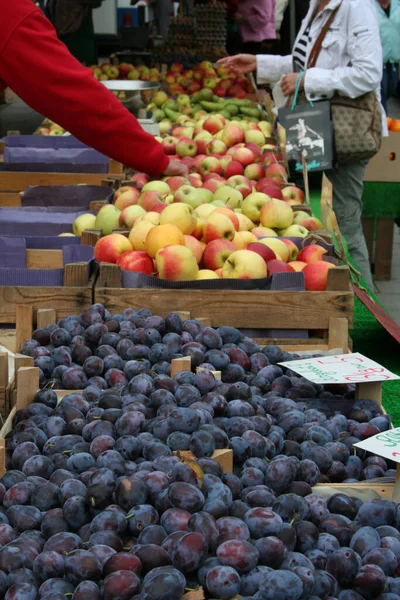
<point x="386" y="444"/>
<point x="341" y="368"/>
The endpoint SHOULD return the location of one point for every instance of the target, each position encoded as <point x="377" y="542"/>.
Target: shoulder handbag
<point x="357" y="123"/>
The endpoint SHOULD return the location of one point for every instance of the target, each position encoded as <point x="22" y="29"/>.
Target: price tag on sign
<point x="386" y="444"/>
<point x="342" y="368"/>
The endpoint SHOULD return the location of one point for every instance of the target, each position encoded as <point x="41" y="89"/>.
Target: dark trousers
<point x="389" y="83"/>
<point x="265" y="47"/>
<point x="251" y="47"/>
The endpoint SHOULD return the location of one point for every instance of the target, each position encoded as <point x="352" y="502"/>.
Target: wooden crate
<point x="26" y="383"/>
<point x="75" y="295"/>
<point x="276" y="310"/>
<point x="22" y="387"/>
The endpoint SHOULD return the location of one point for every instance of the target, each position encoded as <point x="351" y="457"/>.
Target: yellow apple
<point x="204" y="210"/>
<point x="261" y="232"/>
<point x="138" y="234"/>
<point x="244" y="264"/>
<point x="176" y="263"/>
<point x="152" y="217"/>
<point x="279" y="247"/>
<point x="253" y="204"/>
<point x="276" y="214"/>
<point x="243" y="238"/>
<point x="179" y="214"/>
<point x="206" y="274"/>
<point x="245" y="224"/>
<point x="83" y="222"/>
<point x="161" y="236"/>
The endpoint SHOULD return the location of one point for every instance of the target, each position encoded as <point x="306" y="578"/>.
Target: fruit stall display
<point x="98" y="501"/>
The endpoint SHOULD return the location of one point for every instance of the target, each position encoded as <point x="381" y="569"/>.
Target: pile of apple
<point x="183" y="233"/>
<point x="179" y="80"/>
<point x="50" y="128"/>
<point x="222" y="80"/>
<point x="106" y="71"/>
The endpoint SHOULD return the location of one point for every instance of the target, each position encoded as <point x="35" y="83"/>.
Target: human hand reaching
<point x="241" y="63"/>
<point x="176" y="168"/>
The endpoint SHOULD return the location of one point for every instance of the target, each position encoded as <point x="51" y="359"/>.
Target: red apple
<point x="241" y="183"/>
<point x="263" y="250"/>
<point x="216" y="253"/>
<point x="126" y="196"/>
<point x="140" y="179"/>
<point x="110" y="247"/>
<point x="210" y="165"/>
<point x="316" y="275"/>
<point x="311" y="253"/>
<point x="256" y="150"/>
<point x="254" y="172"/>
<point x="278" y="266"/>
<point x="176" y="182"/>
<point x="233" y="168"/>
<point x="293" y="193"/>
<point x="276" y="171"/>
<point x="137" y="261"/>
<point x="245" y="156"/>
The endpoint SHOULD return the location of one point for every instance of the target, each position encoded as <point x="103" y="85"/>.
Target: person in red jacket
<point x="42" y="72"/>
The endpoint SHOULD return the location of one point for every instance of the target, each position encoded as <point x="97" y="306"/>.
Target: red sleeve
<point x="41" y="71"/>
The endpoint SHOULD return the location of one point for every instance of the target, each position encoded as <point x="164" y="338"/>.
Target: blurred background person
<point x="256" y="24"/>
<point x="280" y="8"/>
<point x="73" y="21"/>
<point x="233" y="40"/>
<point x="389" y="26"/>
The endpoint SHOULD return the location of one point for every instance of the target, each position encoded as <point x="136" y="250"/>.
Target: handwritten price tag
<point x="342" y="368"/>
<point x="386" y="444"/>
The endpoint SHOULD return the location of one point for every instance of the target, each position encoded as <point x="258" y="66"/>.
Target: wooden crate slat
<point x="64" y="300"/>
<point x="267" y="310"/>
<point x="18" y="181"/>
<point x="44" y="259"/>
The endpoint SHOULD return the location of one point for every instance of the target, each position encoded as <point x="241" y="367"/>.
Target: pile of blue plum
<point x="99" y="503"/>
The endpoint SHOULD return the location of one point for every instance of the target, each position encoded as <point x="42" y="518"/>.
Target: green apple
<point x="294" y="231"/>
<point x="189" y="195"/>
<point x="230" y="196"/>
<point x="183" y="100"/>
<point x="206" y="195"/>
<point x="83" y="222"/>
<point x="156" y="186"/>
<point x="107" y="219"/>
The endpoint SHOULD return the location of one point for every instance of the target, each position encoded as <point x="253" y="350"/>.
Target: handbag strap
<point x="315" y="52"/>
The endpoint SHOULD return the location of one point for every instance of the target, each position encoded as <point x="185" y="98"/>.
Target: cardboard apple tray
<point x="43" y="161"/>
<point x="79" y="197"/>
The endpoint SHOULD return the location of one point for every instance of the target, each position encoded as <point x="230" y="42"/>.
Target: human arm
<point x="364" y="72"/>
<point x="269" y="68"/>
<point x="41" y="71"/>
